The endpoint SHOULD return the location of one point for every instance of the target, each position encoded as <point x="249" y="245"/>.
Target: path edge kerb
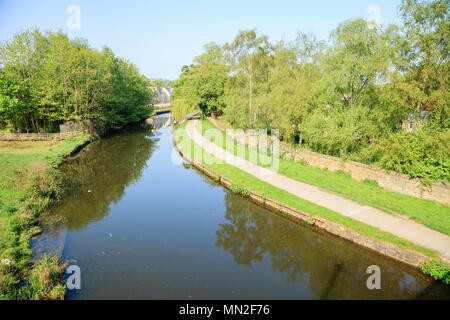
<point x="406" y="256"/>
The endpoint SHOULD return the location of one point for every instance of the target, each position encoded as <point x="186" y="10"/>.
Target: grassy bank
<point x="29" y="182"/>
<point x="430" y="213"/>
<point x="246" y="181"/>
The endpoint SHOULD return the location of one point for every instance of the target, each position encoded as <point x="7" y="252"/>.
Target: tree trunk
<point x="250" y="97"/>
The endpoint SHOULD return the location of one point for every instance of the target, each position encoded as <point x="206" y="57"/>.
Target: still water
<point x="140" y="226"/>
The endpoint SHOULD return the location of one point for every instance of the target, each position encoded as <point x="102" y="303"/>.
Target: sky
<point x="162" y="36"/>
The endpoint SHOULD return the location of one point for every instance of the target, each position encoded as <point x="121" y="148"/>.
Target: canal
<point x="142" y="224"/>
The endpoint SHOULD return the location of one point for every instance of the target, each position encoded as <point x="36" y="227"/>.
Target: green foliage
<point x="161" y="83"/>
<point x="370" y="182"/>
<point x="45" y="280"/>
<point x="422" y="154"/>
<point x="201" y="85"/>
<point x="239" y="190"/>
<point x="250" y="60"/>
<point x="180" y="109"/>
<point x="438" y="270"/>
<point x="340" y="132"/>
<point x="39" y="188"/>
<point x="28" y="185"/>
<point x="343" y="173"/>
<point x="350" y="97"/>
<point x="424" y="56"/>
<point x="48" y="79"/>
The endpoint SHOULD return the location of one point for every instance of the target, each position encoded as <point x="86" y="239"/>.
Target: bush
<point x="239" y="190"/>
<point x="422" y="154"/>
<point x="339" y="132"/>
<point x="437" y="270"/>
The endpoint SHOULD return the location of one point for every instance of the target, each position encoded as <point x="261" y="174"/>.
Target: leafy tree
<point x="348" y="97"/>
<point x="340" y="132"/>
<point x="21" y="60"/>
<point x="426" y="56"/>
<point x="356" y="62"/>
<point x="201" y="86"/>
<point x="249" y="57"/>
<point x="48" y="79"/>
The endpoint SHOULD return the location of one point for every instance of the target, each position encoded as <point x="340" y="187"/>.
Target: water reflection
<point x="99" y="176"/>
<point x="141" y="227"/>
<point x="331" y="268"/>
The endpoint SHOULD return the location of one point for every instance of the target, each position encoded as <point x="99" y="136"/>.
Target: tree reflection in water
<point x="316" y="265"/>
<point x="330" y="267"/>
<point x="98" y="177"/>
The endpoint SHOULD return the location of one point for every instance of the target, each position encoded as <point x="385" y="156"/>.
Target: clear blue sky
<point x="161" y="36"/>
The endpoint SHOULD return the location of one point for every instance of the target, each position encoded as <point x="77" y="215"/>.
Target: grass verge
<point x="429" y="213"/>
<point x="29" y="182"/>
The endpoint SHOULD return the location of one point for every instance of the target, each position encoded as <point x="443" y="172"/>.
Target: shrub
<point x="339" y="132"/>
<point x="422" y="154"/>
<point x="437" y="270"/>
<point x="239" y="190"/>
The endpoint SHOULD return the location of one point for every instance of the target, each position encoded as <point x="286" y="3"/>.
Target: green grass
<point x="246" y="181"/>
<point x="429" y="213"/>
<point x="26" y="146"/>
<point x="29" y="181"/>
<point x="39" y="154"/>
<point x="45" y="279"/>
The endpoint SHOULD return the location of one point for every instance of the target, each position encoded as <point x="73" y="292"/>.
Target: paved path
<point x="403" y="228"/>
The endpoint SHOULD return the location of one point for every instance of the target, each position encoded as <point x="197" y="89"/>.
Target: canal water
<point x="142" y="224"/>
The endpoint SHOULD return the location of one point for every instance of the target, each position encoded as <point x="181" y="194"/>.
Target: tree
<point x="48" y="79"/>
<point x="426" y="56"/>
<point x="356" y="62"/>
<point x="295" y="84"/>
<point x="247" y="56"/>
<point x="21" y="59"/>
<point x="201" y="85"/>
<point x="348" y="97"/>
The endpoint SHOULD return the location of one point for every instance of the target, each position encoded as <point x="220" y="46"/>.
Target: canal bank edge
<point x="39" y="274"/>
<point x="406" y="256"/>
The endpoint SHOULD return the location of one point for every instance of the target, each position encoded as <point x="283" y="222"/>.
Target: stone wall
<point x="386" y="179"/>
<point x="36" y="136"/>
<point x="71" y="126"/>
